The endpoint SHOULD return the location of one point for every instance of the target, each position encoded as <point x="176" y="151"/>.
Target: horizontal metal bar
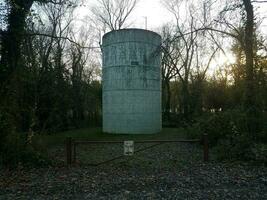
<point x="100" y="163"/>
<point x="138" y="141"/>
<point x="119" y="157"/>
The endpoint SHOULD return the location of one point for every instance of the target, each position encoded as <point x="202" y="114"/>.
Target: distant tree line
<point x="189" y="47"/>
<point x="50" y="75"/>
<point x="48" y="81"/>
<point x="230" y="104"/>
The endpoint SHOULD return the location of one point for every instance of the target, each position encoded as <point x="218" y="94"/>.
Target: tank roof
<point x="131" y="29"/>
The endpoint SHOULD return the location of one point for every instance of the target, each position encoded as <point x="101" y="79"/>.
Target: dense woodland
<point x="50" y="71"/>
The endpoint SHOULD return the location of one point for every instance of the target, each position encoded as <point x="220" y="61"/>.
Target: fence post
<point x="74" y="152"/>
<point x="205" y="148"/>
<point x="68" y="150"/>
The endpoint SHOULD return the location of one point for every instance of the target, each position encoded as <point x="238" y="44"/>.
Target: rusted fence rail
<point x="71" y="146"/>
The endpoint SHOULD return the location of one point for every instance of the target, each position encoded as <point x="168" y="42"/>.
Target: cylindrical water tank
<point x="131" y="81"/>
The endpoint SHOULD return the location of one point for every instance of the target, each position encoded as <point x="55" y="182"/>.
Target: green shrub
<point x="6" y="128"/>
<point x="230" y="136"/>
<point x="234" y="147"/>
<point x="194" y="131"/>
<point x="15" y="151"/>
<point x="221" y="125"/>
<point x="259" y="152"/>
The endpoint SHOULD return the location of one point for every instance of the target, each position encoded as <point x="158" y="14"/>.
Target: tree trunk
<point x="250" y="103"/>
<point x="185" y="100"/>
<point x="168" y="99"/>
<point x="249" y="29"/>
<point x="10" y="64"/>
<point x="13" y="37"/>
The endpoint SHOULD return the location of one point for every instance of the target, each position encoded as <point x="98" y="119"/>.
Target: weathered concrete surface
<point x="131" y="81"/>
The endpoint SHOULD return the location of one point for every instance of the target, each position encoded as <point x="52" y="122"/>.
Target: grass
<point x="97" y="134"/>
<point x="53" y="146"/>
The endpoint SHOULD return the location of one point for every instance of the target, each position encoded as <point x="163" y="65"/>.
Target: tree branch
<point x="61" y="37"/>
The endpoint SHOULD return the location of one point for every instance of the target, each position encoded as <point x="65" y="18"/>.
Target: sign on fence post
<point x="128" y="148"/>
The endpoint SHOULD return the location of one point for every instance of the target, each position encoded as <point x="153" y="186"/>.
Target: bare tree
<point x="189" y="50"/>
<point x="46" y="54"/>
<point x="169" y="63"/>
<point x="185" y="49"/>
<point x="113" y="14"/>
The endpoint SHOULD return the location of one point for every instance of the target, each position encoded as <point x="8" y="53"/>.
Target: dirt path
<point x="154" y="175"/>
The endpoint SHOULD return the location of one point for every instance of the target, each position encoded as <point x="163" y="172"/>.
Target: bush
<point x="224" y="124"/>
<point x="194" y="131"/>
<point x="234" y="147"/>
<point x="6" y="128"/>
<point x="16" y="151"/>
<point x="230" y="137"/>
<point x="259" y="152"/>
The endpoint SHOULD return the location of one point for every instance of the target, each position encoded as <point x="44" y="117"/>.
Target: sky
<point x="153" y="14"/>
<point x="150" y="11"/>
<point x="158" y="15"/>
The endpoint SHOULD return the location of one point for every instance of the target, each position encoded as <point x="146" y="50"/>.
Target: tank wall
<point x="131" y="82"/>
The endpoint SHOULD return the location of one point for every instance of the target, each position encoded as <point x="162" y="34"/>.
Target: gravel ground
<point x="166" y="172"/>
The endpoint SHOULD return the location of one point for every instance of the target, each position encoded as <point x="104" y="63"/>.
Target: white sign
<point x="128" y="148"/>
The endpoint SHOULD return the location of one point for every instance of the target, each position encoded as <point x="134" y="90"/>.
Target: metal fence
<point x="71" y="146"/>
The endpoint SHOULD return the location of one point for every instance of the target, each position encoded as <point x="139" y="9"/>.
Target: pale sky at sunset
<point x="153" y="10"/>
<point x="157" y="15"/>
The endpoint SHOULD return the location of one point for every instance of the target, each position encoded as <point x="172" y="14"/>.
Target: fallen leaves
<point x="139" y="179"/>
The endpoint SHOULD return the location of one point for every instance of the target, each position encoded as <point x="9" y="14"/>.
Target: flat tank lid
<point x="131" y="35"/>
<point x="131" y="29"/>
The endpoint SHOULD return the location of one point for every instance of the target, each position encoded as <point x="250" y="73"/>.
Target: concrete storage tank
<point x="131" y="81"/>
